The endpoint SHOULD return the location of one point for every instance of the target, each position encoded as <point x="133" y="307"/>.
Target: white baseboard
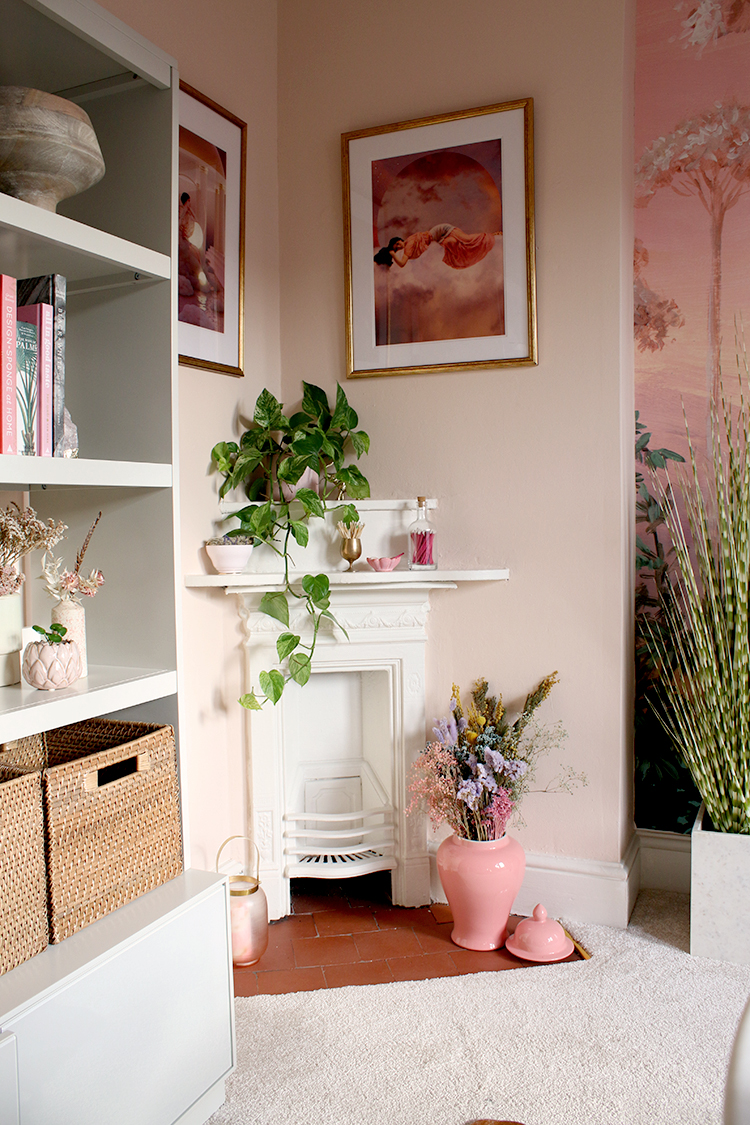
<point x="579" y="890"/>
<point x="665" y="860"/>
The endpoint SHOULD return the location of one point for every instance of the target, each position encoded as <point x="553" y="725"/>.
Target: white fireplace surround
<point x="328" y="766"/>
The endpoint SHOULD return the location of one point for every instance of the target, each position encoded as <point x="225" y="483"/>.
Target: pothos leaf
<point x="299" y="668"/>
<point x="272" y="685"/>
<point x="286" y="644"/>
<point x="274" y="603"/>
<point x="249" y="701"/>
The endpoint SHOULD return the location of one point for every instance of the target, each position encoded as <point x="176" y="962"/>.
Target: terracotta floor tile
<point x="309" y="903"/>
<point x="325" y="951"/>
<point x="402" y="917"/>
<point x="294" y="926"/>
<point x="441" y="912"/>
<point x="279" y="954"/>
<point x="385" y="944"/>
<point x="436" y="938"/>
<point x="291" y="980"/>
<point x="245" y="982"/>
<point x="362" y="972"/>
<point x="354" y="921"/>
<point x="426" y="967"/>
<point x="479" y="961"/>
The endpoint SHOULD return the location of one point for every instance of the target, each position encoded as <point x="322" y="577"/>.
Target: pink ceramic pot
<point x="481" y="879"/>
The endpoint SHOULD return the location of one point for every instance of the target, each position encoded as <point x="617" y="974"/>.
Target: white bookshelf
<point x="117" y="246"/>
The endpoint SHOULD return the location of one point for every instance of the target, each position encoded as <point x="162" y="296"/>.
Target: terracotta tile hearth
<point x="347" y="932"/>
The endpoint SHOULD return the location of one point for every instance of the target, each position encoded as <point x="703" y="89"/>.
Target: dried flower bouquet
<point x="21" y="532"/>
<point x="475" y="772"/>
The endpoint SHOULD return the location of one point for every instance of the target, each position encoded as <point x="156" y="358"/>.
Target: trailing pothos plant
<point x="275" y="463"/>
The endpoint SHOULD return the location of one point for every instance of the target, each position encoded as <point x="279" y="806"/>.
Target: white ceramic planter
<point x="719" y="894"/>
<point x="229" y="558"/>
<point x="73" y="616"/>
<point x="11" y="623"/>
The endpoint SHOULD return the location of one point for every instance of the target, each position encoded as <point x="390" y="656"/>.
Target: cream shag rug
<point x="639" y="1035"/>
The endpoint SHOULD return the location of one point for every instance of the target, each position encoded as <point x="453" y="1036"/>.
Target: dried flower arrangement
<point x="68" y="585"/>
<point x="21" y="532"/>
<point x="475" y="772"/>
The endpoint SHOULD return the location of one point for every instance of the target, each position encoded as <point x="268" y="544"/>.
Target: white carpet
<point x="638" y="1035"/>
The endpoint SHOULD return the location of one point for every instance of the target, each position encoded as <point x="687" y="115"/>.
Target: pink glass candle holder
<point x="248" y="909"/>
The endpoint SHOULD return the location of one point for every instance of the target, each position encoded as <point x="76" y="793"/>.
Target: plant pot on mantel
<point x="719" y="893"/>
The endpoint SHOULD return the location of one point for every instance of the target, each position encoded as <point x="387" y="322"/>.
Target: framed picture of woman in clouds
<point x="439" y="242"/>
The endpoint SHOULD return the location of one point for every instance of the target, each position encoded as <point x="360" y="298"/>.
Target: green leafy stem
<point x="270" y="460"/>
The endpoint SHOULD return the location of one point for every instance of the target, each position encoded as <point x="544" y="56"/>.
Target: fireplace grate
<point x="340" y="844"/>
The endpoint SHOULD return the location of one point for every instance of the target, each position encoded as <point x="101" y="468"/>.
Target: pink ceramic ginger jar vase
<point x="481" y="879"/>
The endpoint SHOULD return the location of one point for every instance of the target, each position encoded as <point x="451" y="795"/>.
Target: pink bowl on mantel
<point x="540" y="938"/>
<point x="386" y="564"/>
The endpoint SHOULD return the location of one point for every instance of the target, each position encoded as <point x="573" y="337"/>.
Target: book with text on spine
<point x="41" y="316"/>
<point x="51" y="289"/>
<point x="8" y="442"/>
<point x="26" y="387"/>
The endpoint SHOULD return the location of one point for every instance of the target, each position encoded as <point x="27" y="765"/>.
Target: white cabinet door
<point x="141" y="1036"/>
<point x="8" y="1080"/>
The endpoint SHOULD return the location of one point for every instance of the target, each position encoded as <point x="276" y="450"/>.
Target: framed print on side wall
<point x="211" y="281"/>
<point x="439" y="242"/>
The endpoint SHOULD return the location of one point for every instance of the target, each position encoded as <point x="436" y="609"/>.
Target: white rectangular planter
<point x="719" y="894"/>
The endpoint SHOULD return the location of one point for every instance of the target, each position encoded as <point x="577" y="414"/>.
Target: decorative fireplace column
<point x="329" y="766"/>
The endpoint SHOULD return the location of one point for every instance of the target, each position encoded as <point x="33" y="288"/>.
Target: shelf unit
<point x="117" y="246"/>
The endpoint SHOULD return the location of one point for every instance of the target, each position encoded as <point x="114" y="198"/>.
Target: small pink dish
<point x="386" y="564"/>
<point x="540" y="938"/>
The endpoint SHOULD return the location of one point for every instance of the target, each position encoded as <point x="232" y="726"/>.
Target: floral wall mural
<point x="691" y="286"/>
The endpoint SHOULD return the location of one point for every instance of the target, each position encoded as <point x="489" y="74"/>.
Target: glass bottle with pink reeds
<point x="422" y="553"/>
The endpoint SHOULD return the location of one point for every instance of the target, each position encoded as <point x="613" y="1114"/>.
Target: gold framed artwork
<point x="211" y="282"/>
<point x="439" y="243"/>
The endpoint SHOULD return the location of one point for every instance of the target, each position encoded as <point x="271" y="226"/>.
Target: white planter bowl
<point x="229" y="558"/>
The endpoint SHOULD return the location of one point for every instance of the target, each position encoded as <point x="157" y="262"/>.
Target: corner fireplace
<point x="328" y="767"/>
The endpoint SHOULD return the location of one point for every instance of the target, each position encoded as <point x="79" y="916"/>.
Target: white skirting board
<point x="585" y="890"/>
<point x="579" y="890"/>
<point x="665" y="860"/>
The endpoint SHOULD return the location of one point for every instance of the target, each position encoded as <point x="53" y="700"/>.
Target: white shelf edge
<point x="108" y="249"/>
<point x="394" y="578"/>
<point x="24" y="471"/>
<point x="25" y="710"/>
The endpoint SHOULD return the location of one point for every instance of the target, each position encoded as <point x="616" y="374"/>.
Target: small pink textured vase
<point x="481" y="879"/>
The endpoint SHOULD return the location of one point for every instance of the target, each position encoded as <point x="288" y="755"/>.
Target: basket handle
<point x="251" y="841"/>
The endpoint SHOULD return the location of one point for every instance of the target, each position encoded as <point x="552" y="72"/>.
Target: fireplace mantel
<point x="359" y="579"/>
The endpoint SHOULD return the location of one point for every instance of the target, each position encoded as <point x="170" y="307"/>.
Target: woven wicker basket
<point x="23" y="889"/>
<point x="111" y="799"/>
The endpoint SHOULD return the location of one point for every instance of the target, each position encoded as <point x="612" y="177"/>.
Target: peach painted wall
<point x="227" y="51"/>
<point x="532" y="467"/>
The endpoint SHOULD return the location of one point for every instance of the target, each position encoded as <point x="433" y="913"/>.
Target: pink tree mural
<point x="708" y="158"/>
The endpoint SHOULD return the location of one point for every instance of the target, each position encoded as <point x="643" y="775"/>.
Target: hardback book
<point x="26" y="387"/>
<point x="51" y="289"/>
<point x="41" y="316"/>
<point x="8" y="429"/>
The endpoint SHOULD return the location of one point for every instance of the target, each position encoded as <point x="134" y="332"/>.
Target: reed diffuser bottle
<point x="422" y="553"/>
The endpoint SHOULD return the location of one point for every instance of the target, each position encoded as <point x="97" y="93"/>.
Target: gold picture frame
<point x="439" y="249"/>
<point x="211" y="235"/>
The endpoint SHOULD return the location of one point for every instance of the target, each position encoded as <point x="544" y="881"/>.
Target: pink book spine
<point x="44" y="416"/>
<point x="41" y="316"/>
<point x="8" y="442"/>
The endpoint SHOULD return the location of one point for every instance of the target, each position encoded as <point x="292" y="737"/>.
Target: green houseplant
<point x="289" y="467"/>
<point x="703" y="650"/>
